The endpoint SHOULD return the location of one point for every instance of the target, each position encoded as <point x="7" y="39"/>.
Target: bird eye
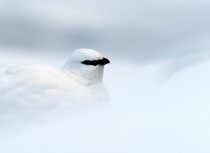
<point x="96" y="62"/>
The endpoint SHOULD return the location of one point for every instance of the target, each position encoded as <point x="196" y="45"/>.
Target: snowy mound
<point x="29" y="86"/>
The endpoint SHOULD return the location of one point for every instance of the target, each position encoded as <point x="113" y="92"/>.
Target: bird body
<point x="34" y="85"/>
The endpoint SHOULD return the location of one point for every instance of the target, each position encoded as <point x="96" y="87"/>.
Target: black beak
<point x="104" y="61"/>
<point x="101" y="62"/>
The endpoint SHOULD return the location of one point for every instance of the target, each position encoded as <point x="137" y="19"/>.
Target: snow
<point x="150" y="112"/>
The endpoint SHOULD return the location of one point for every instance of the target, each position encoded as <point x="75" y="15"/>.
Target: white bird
<point x="30" y="86"/>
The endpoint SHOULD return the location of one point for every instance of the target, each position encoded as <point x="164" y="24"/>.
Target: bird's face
<point x="89" y="57"/>
<point x="87" y="63"/>
<point x="96" y="62"/>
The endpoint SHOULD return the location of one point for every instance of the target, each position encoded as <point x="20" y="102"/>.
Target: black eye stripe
<point x="96" y="62"/>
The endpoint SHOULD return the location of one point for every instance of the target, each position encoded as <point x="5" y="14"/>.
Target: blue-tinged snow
<point x="150" y="111"/>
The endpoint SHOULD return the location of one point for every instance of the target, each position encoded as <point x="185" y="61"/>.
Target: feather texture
<point x="28" y="86"/>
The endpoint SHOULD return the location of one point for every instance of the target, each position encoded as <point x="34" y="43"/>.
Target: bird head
<point x="87" y="64"/>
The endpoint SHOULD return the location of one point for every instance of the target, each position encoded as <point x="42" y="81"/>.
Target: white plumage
<point x="29" y="86"/>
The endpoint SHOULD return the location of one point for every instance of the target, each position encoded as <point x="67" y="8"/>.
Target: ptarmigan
<point x="29" y="86"/>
